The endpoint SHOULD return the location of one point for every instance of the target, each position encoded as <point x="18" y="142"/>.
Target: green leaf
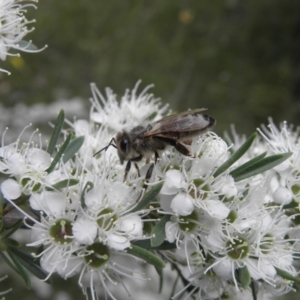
<point x="8" y="261"/>
<point x="158" y="232"/>
<point x="248" y="163"/>
<point x="56" y="132"/>
<point x="286" y="275"/>
<point x="146" y="256"/>
<point x="160" y="273"/>
<point x="244" y="277"/>
<point x="1" y="224"/>
<point x="30" y="263"/>
<point x="161" y="278"/>
<point x="65" y="183"/>
<point x="20" y="269"/>
<point x="260" y="166"/>
<point x="12" y="229"/>
<point x="146" y="244"/>
<point x="253" y="290"/>
<point x="59" y="153"/>
<point x="236" y="155"/>
<point x="3" y="202"/>
<point x="72" y="148"/>
<point x="148" y="197"/>
<point x="11" y="242"/>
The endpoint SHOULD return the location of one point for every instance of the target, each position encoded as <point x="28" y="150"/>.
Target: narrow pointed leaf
<point x="161" y="278"/>
<point x="2" y="201"/>
<point x="72" y="148"/>
<point x="244" y="277"/>
<point x="59" y="154"/>
<point x="236" y="155"/>
<point x="65" y="183"/>
<point x="1" y="224"/>
<point x="56" y="132"/>
<point x="253" y="290"/>
<point x="148" y="197"/>
<point x="8" y="261"/>
<point x="147" y="256"/>
<point x="158" y="232"/>
<point x="20" y="269"/>
<point x="13" y="229"/>
<point x="248" y="163"/>
<point x="11" y="242"/>
<point x="146" y="244"/>
<point x="262" y="165"/>
<point x="159" y="272"/>
<point x="29" y="263"/>
<point x="286" y="275"/>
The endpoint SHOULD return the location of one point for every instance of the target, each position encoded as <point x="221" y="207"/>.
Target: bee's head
<point x="123" y="145"/>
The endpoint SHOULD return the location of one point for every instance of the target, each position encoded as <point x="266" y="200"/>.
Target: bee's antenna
<point x="106" y="147"/>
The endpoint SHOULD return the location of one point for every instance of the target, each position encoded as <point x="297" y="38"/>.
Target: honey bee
<point x="176" y="130"/>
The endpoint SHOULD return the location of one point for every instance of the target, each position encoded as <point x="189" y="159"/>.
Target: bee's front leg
<point x="128" y="166"/>
<point x="127" y="169"/>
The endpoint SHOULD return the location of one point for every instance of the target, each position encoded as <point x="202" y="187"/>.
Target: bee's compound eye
<point x="124" y="145"/>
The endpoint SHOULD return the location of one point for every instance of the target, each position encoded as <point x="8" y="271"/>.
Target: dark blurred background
<point x="240" y="59"/>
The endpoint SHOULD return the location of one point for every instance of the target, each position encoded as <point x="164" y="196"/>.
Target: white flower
<point x="223" y="269"/>
<point x="85" y="231"/>
<point x="10" y="189"/>
<point x="13" y="28"/>
<point x="132" y="225"/>
<point x="171" y="230"/>
<point x="13" y="163"/>
<point x="51" y="203"/>
<point x="28" y="165"/>
<point x="117" y="242"/>
<point x="282" y="195"/>
<point x="39" y="159"/>
<point x="209" y="145"/>
<point x="182" y="204"/>
<point x="226" y="186"/>
<point x="174" y="180"/>
<point x="102" y="264"/>
<point x="131" y="111"/>
<point x="215" y="208"/>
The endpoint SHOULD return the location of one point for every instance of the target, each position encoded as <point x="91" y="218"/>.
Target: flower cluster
<point x="13" y="28"/>
<point x="225" y="217"/>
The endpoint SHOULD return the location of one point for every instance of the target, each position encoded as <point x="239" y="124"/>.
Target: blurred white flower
<point x="13" y="28"/>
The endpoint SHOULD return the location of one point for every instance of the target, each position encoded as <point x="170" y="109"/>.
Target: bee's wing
<point x="182" y="125"/>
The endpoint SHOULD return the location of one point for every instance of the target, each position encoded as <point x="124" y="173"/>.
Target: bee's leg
<point x="137" y="169"/>
<point x="128" y="166"/>
<point x="156" y="157"/>
<point x="127" y="169"/>
<point x="147" y="178"/>
<point x="182" y="149"/>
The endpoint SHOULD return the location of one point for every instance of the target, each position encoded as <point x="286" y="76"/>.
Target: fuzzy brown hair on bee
<point x="176" y="130"/>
